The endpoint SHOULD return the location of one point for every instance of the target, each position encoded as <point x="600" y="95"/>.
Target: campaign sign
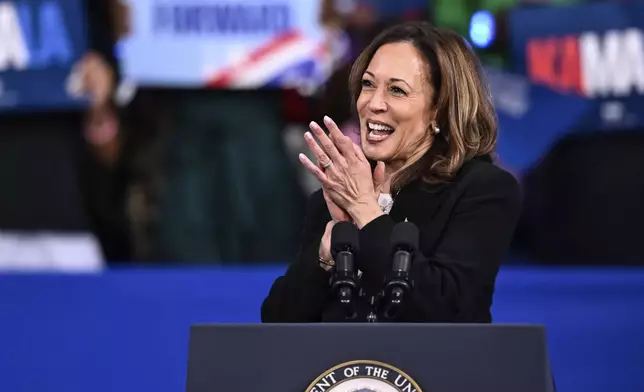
<point x="531" y="118"/>
<point x="40" y="40"/>
<point x="593" y="51"/>
<point x="224" y="44"/>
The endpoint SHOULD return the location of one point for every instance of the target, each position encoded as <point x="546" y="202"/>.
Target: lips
<point x="378" y="131"/>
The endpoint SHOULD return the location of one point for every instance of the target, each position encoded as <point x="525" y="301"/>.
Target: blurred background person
<point x="121" y="166"/>
<point x="45" y="223"/>
<point x="188" y="175"/>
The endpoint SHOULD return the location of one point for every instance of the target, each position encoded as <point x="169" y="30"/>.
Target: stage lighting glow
<point x="482" y="26"/>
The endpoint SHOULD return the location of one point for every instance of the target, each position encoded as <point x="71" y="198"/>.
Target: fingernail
<point x="301" y="156"/>
<point x="308" y="135"/>
<point x="327" y="119"/>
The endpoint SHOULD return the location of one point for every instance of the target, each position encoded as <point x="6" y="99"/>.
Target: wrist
<point x="324" y="251"/>
<point x="364" y="212"/>
<point x="325" y="260"/>
<point x="323" y="255"/>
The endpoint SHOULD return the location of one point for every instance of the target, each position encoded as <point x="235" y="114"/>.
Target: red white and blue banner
<point x="238" y="44"/>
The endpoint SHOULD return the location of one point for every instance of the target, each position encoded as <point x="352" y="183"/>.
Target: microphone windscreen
<point x="344" y="236"/>
<point x="404" y="236"/>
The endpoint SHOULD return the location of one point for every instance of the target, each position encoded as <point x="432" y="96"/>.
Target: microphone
<point x="404" y="245"/>
<point x="344" y="248"/>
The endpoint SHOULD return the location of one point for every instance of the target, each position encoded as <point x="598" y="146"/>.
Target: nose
<point x="377" y="102"/>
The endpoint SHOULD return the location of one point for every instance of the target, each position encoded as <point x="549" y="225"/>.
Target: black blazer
<point x="465" y="229"/>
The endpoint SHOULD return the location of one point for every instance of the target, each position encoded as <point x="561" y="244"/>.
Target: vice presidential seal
<point x="364" y="376"/>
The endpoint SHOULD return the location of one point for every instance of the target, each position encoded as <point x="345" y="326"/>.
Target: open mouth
<point x="378" y="131"/>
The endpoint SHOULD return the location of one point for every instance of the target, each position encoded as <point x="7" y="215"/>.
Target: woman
<point x="426" y="118"/>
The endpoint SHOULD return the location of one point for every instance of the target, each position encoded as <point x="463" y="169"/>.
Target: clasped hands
<point x="350" y="188"/>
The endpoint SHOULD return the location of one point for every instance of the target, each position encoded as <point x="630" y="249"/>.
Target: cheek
<point x="416" y="131"/>
<point x="414" y="126"/>
<point x="361" y="103"/>
<point x="412" y="116"/>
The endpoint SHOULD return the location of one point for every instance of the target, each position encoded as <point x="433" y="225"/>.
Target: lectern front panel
<point x="368" y="358"/>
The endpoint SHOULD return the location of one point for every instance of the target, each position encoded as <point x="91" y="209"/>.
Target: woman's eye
<point x="398" y="90"/>
<point x="366" y="83"/>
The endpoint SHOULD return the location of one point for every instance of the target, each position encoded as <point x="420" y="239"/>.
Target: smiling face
<point x="411" y="80"/>
<point x="394" y="105"/>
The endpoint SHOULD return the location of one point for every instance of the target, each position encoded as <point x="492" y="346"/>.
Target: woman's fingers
<point x="358" y="152"/>
<point x="334" y="131"/>
<point x="320" y="155"/>
<point x="327" y="144"/>
<point x="313" y="168"/>
<point x="344" y="144"/>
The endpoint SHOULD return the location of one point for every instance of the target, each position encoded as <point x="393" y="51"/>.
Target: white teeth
<point x="379" y="127"/>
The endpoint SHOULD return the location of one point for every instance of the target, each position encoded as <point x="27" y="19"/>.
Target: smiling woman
<point x="428" y="132"/>
<point x="432" y="82"/>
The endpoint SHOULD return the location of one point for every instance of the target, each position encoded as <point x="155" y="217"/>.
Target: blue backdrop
<point x="128" y="330"/>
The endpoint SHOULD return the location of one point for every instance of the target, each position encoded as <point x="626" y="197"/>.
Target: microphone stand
<point x="344" y="284"/>
<point x="396" y="290"/>
<point x="398" y="284"/>
<point x="372" y="317"/>
<point x="345" y="246"/>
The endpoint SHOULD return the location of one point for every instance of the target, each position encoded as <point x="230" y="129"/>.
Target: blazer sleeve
<point x="301" y="294"/>
<point x="456" y="282"/>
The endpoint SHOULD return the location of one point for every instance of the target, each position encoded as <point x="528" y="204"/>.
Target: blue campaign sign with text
<point x="40" y="40"/>
<point x="589" y="51"/>
<point x="531" y="118"/>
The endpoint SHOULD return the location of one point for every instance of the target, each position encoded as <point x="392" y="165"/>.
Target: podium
<point x="368" y="358"/>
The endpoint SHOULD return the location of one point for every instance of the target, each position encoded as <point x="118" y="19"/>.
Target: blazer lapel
<point x="419" y="203"/>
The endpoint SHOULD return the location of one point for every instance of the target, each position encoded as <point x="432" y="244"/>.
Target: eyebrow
<point x="390" y="79"/>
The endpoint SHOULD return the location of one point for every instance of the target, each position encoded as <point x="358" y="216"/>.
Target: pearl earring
<point x="436" y="130"/>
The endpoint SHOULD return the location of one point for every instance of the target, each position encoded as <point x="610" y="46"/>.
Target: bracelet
<point x="330" y="263"/>
<point x="327" y="265"/>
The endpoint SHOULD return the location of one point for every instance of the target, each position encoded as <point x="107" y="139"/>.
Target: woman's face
<point x="394" y="105"/>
